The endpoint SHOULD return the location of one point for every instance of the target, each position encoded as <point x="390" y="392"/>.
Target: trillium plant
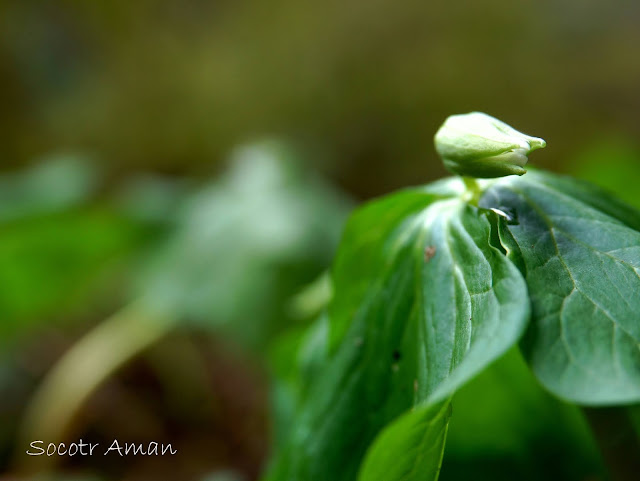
<point x="432" y="284"/>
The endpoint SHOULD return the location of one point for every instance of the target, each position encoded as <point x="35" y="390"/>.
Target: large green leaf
<point x="582" y="266"/>
<point x="422" y="302"/>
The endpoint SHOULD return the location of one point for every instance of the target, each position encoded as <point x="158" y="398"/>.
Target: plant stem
<point x="85" y="366"/>
<point x="617" y="439"/>
<point x="473" y="190"/>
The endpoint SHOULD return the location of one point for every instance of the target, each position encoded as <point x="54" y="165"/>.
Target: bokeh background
<point x="173" y="181"/>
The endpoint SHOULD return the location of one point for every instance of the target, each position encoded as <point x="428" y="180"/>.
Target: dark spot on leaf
<point x="429" y="252"/>
<point x="396" y="355"/>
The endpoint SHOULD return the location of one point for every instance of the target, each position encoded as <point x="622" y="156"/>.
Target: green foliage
<point x="506" y="426"/>
<point x="226" y="255"/>
<point x="411" y="448"/>
<point x="429" y="289"/>
<point x="53" y="263"/>
<point x="583" y="272"/>
<point x="58" y="242"/>
<point x="52" y="185"/>
<point x="621" y="170"/>
<point x="243" y="244"/>
<point x="421" y="303"/>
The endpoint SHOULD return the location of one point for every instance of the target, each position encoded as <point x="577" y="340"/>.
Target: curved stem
<point x="84" y="367"/>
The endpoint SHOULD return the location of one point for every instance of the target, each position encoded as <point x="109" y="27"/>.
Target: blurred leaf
<point x="52" y="185"/>
<point x="245" y="243"/>
<point x="503" y="417"/>
<point x="53" y="248"/>
<point x="613" y="163"/>
<point x="151" y="198"/>
<point x="50" y="264"/>
<point x="296" y="358"/>
<point x="311" y="300"/>
<point x="583" y="273"/>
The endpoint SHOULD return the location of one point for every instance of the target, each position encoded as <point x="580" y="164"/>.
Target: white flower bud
<point x="478" y="145"/>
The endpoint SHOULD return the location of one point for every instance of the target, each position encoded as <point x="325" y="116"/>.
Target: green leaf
<point x="506" y="426"/>
<point x="368" y="244"/>
<point x="52" y="185"/>
<point x="295" y="358"/>
<point x="582" y="268"/>
<point x="590" y="194"/>
<point x="411" y="448"/>
<point x="51" y="265"/>
<point x="422" y="302"/>
<point x="244" y="243"/>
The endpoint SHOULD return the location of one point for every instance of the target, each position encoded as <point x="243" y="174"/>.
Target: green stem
<point x="619" y="443"/>
<point x="473" y="190"/>
<point x="84" y="367"/>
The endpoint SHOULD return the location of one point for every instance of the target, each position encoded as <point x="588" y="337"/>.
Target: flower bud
<point x="478" y="145"/>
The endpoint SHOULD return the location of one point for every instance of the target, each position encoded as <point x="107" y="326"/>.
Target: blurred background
<point x="173" y="181"/>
